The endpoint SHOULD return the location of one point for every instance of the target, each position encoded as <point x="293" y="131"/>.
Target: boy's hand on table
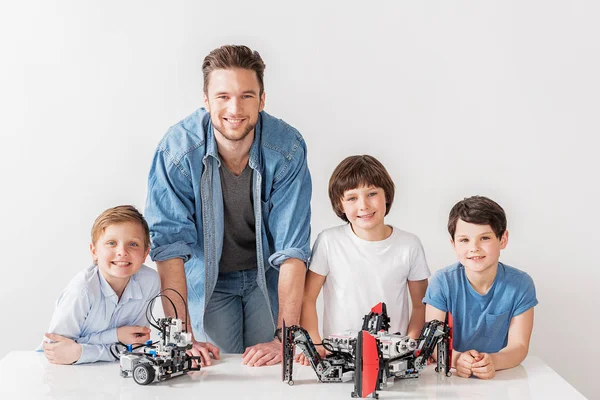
<point x="484" y="367"/>
<point x="465" y="361"/>
<point x="62" y="351"/>
<point x="133" y="334"/>
<point x="301" y="358"/>
<point x="269" y="353"/>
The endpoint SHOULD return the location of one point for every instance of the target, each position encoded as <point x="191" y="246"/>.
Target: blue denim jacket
<point x="184" y="207"/>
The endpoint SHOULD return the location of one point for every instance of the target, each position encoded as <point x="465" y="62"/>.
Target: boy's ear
<point x="504" y="240"/>
<point x="93" y="251"/>
<point x="452" y="242"/>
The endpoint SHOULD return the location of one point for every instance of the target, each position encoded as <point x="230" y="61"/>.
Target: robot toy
<point x="373" y="354"/>
<point x="161" y="360"/>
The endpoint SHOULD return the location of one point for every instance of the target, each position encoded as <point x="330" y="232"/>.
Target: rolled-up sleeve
<point x="289" y="217"/>
<point x="437" y="293"/>
<point x="170" y="208"/>
<point x="527" y="298"/>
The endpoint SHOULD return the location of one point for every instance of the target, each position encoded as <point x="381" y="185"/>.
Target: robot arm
<point x="376" y="320"/>
<point x="435" y="333"/>
<point x="328" y="369"/>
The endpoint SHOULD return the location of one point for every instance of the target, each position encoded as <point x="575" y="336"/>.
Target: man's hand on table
<point x="263" y="354"/>
<point x="206" y="351"/>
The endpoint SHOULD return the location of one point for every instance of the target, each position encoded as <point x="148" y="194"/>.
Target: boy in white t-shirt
<point x="366" y="261"/>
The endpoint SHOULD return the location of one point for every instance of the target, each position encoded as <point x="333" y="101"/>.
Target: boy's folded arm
<point x="108" y="336"/>
<point x="519" y="335"/>
<point x="71" y="311"/>
<point x="417" y="291"/>
<point x="61" y="351"/>
<point x="95" y="352"/>
<point x="111" y="335"/>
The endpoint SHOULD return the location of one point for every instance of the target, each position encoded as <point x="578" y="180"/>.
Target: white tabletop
<point x="27" y="374"/>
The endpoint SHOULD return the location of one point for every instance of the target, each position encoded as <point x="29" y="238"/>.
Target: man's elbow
<point x="292" y="271"/>
<point x="295" y="263"/>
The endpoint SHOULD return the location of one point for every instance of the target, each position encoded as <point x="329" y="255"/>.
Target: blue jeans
<point x="237" y="315"/>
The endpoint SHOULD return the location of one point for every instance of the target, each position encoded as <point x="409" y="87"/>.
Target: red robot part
<point x="378" y="309"/>
<point x="368" y="366"/>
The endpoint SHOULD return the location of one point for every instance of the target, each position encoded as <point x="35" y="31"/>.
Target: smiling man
<point x="229" y="213"/>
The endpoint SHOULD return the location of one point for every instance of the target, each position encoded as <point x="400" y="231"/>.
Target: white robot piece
<point x="164" y="359"/>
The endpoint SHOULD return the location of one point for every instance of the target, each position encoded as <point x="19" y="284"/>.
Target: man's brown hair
<point x="478" y="210"/>
<point x="232" y="56"/>
<point x="357" y="171"/>
<point x="117" y="215"/>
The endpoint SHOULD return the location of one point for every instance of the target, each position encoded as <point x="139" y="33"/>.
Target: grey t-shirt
<point x="239" y="236"/>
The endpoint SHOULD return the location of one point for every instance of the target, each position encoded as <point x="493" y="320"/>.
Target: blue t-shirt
<point x="481" y="321"/>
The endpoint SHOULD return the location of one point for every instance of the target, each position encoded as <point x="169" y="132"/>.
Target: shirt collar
<point x="254" y="159"/>
<point x="133" y="290"/>
<point x="211" y="142"/>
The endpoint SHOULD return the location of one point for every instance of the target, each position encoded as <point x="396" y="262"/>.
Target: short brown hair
<point x="231" y="56"/>
<point x="478" y="210"/>
<point x="117" y="215"/>
<point x="357" y="171"/>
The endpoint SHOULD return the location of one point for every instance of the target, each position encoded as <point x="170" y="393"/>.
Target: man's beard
<point x="234" y="138"/>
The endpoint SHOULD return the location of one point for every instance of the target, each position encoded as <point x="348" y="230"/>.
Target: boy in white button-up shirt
<point x="106" y="302"/>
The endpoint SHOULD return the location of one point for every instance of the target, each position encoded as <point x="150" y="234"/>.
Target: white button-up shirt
<point x="89" y="311"/>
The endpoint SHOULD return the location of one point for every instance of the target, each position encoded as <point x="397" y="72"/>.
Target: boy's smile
<point x="366" y="216"/>
<point x="121" y="263"/>
<point x="476" y="258"/>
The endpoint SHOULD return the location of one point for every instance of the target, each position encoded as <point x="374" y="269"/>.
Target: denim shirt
<point x="184" y="207"/>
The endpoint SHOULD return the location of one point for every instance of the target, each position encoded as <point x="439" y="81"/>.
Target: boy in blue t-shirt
<point x="491" y="303"/>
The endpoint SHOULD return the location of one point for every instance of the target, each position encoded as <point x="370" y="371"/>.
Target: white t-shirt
<point x="361" y="274"/>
